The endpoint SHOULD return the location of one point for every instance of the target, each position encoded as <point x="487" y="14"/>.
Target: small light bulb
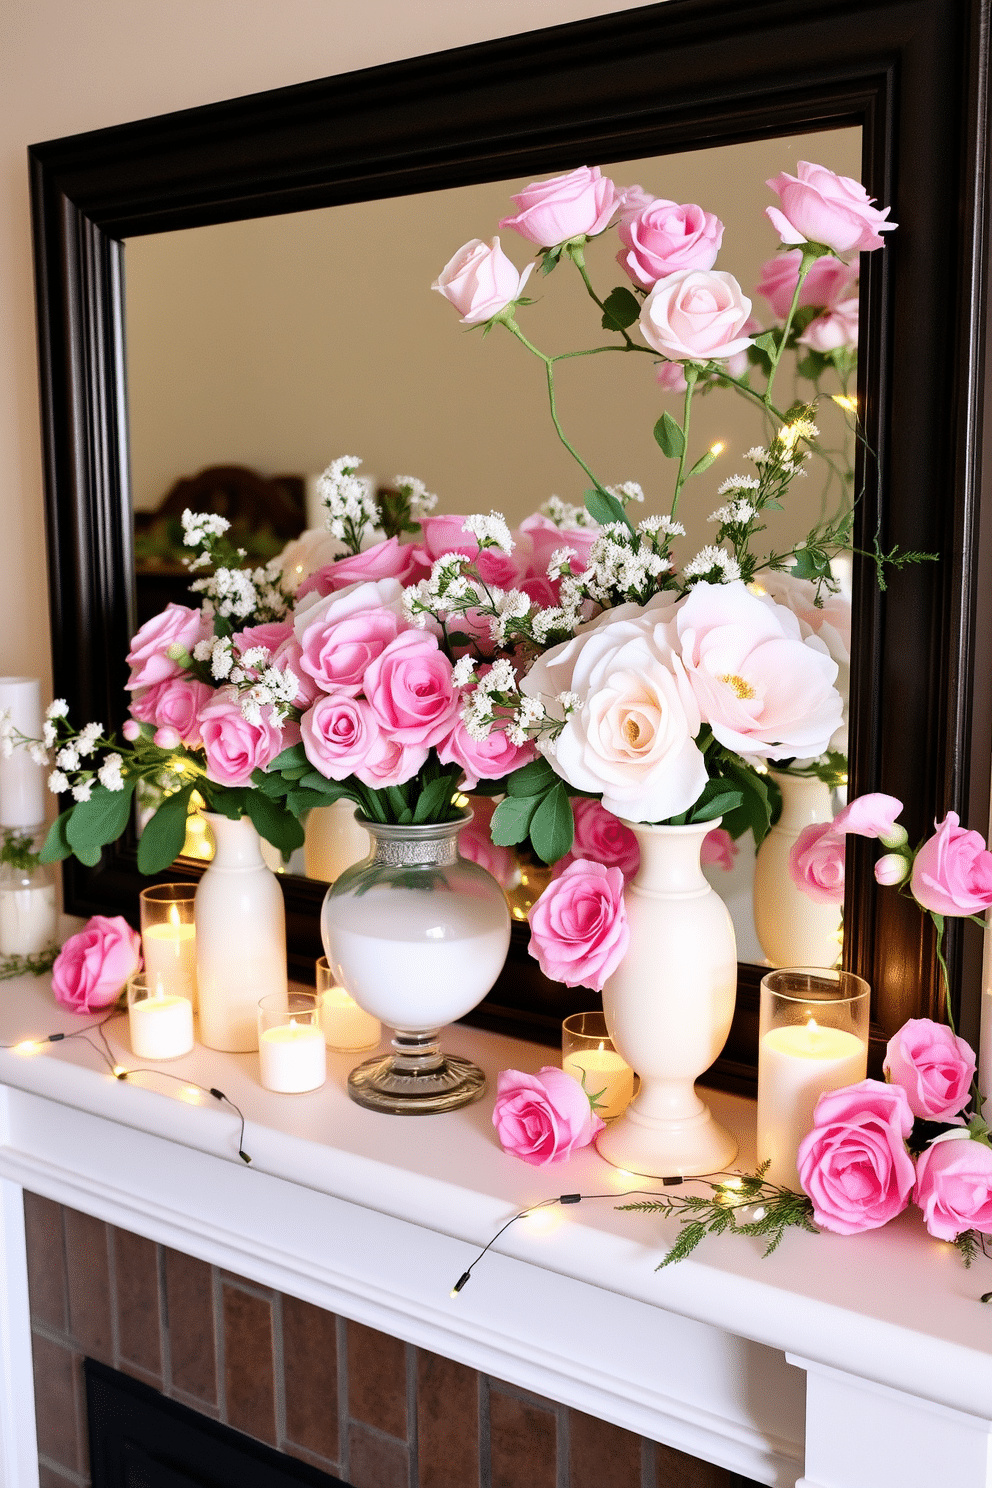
<point x="119" y="1071"/>
<point x="718" y="448"/>
<point x="845" y="401"/>
<point x="759" y="1213"/>
<point x="28" y="1046"/>
<point x="734" y="1183"/>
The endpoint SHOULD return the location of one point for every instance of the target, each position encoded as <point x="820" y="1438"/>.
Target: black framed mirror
<point x="682" y="76"/>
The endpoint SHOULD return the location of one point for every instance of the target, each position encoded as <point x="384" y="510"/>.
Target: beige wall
<point x="71" y="65"/>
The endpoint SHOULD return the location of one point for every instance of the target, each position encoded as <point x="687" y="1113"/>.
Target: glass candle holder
<point x="168" y="938"/>
<point x="346" y="1026"/>
<point x="813" y="1037"/>
<point x="160" y="1023"/>
<point x="28" y="911"/>
<point x="291" y="1049"/>
<point x="588" y="1056"/>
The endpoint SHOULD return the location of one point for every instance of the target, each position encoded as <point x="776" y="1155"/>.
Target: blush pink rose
<point x="177" y="625"/>
<point x="483" y="759"/>
<point x="818" y="206"/>
<point x="166" y="737"/>
<point x="95" y="964"/>
<point x="854" y="1164"/>
<point x="131" y="730"/>
<point x="175" y="704"/>
<point x="385" y="560"/>
<point x="272" y="635"/>
<point x="872" y="815"/>
<point x="834" y="329"/>
<point x="816" y="863"/>
<point x="390" y="763"/>
<point x="341" y="636"/>
<point x="892" y="869"/>
<point x="952" y="872"/>
<point x="578" y="204"/>
<point x="696" y="316"/>
<point x="340" y="733"/>
<point x="828" y="282"/>
<point x="289" y="655"/>
<point x="601" y="837"/>
<point x="410" y="690"/>
<point x="670" y="377"/>
<point x="233" y="746"/>
<point x="954" y="1187"/>
<point x="540" y="538"/>
<point x="446" y="534"/>
<point x="538" y="1119"/>
<point x="578" y="927"/>
<point x="665" y="238"/>
<point x="933" y="1066"/>
<point x="719" y="849"/>
<point x="480" y="280"/>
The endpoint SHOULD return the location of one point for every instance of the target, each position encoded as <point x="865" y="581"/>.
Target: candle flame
<point x="292" y="1022"/>
<point x="174" y="915"/>
<point x="600" y="1049"/>
<point x="813" y="1026"/>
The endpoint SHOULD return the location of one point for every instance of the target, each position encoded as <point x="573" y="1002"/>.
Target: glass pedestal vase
<point x="417" y="935"/>
<point x="792" y="928"/>
<point x="669" y="1006"/>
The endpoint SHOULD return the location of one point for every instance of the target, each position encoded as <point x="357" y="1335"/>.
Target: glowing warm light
<point x="459" y="800"/>
<point x="845" y="401"/>
<point x="787" y="437"/>
<point x="756" y="588"/>
<point x="541" y="1220"/>
<point x="518" y="913"/>
<point x="718" y="448"/>
<point x="174" y="914"/>
<point x="190" y="1095"/>
<point x="453" y="1293"/>
<point x="28" y="1046"/>
<point x="759" y="1213"/>
<point x="734" y="1183"/>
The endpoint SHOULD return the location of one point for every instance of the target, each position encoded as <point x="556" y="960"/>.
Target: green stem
<point x="743" y="387"/>
<point x="806" y="263"/>
<point x="549" y="367"/>
<point x="690" y="383"/>
<point x="579" y="259"/>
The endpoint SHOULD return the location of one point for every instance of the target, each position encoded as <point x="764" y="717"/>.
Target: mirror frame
<point x="666" y="78"/>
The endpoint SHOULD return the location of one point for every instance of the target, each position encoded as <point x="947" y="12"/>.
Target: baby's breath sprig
<point x="742" y="1205"/>
<point x="404" y="507"/>
<point x="349" y="501"/>
<point x="231" y="592"/>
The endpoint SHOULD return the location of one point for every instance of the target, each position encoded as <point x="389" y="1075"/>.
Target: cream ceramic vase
<point x="669" y="1007"/>
<point x="792" y="928"/>
<point x="240" y="937"/>
<point x="334" y="841"/>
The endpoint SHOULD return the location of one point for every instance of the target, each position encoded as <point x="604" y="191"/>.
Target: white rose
<point x="631" y="739"/>
<point x="762" y="687"/>
<point x="696" y="316"/>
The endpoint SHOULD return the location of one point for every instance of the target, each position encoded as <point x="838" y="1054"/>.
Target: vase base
<point x="380" y="1086"/>
<point x="670" y="1149"/>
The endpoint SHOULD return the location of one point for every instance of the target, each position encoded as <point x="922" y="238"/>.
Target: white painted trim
<point x="18" y="1438"/>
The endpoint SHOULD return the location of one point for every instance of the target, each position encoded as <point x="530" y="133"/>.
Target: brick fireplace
<point x="361" y="1405"/>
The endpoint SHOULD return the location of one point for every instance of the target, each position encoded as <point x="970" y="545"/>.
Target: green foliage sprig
<point x="18" y="850"/>
<point x="34" y="965"/>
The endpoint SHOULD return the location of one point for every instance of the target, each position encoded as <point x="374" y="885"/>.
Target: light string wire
<point x="119" y="1072"/>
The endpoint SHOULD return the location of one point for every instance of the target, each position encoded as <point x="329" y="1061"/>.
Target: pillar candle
<point x="22" y="783"/>
<point x="170" y="955"/>
<point x="603" y="1070"/>
<point x="293" y="1057"/>
<point x="345" y="1024"/>
<point x="161" y="1027"/>
<point x="28" y="919"/>
<point x="796" y="1064"/>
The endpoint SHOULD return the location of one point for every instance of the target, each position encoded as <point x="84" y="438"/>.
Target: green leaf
<point x="101" y="819"/>
<point x="552" y="828"/>
<point x="314" y="781"/>
<point x="532" y="779"/>
<point x="512" y="818"/>
<point x="274" y="823"/>
<point x="620" y="309"/>
<point x="717" y="805"/>
<point x="229" y="801"/>
<point x="766" y="342"/>
<point x="56" y="845"/>
<point x="292" y="758"/>
<point x="604" y="508"/>
<point x="273" y="786"/>
<point x="703" y="463"/>
<point x="669" y="437"/>
<point x="434" y="800"/>
<point x="299" y="802"/>
<point x="459" y="638"/>
<point x="162" y="840"/>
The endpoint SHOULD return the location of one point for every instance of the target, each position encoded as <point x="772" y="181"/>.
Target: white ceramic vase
<point x="792" y="928"/>
<point x="669" y="1007"/>
<point x="240" y="937"/>
<point x="334" y="841"/>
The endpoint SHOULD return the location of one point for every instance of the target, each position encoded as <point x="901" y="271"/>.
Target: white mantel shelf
<point x="874" y="1349"/>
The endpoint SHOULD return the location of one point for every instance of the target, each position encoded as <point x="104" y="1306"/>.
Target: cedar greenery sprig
<point x="775" y="1209"/>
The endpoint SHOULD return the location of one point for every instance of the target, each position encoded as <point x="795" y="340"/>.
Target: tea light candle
<point x="346" y="1025"/>
<point x="161" y="1026"/>
<point x="603" y="1074"/>
<point x="293" y="1057"/>
<point x="797" y="1063"/>
<point x="170" y="954"/>
<point x="22" y="785"/>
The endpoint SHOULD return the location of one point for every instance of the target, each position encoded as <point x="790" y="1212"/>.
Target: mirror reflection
<point x="258" y="351"/>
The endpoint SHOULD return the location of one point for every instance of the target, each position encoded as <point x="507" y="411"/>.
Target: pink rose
<point x="761" y="685"/>
<point x="954" y="1187"/>
<point x="819" y="206"/>
<point x="446" y="534"/>
<point x="719" y="849"/>
<point x="601" y="837"/>
<point x="391" y="763"/>
<point x="538" y="1119"/>
<point x="410" y="689"/>
<point x="578" y="927"/>
<point x="166" y="738"/>
<point x="631" y="200"/>
<point x="696" y="316"/>
<point x="816" y="863"/>
<point x="854" y="1164"/>
<point x="341" y="636"/>
<point x="233" y="746"/>
<point x="872" y="815"/>
<point x="177" y="625"/>
<point x="576" y="205"/>
<point x="834" y="329"/>
<point x="933" y="1066"/>
<point x="952" y="872"/>
<point x="540" y="539"/>
<point x="475" y="843"/>
<point x="339" y="733"/>
<point x="174" y="704"/>
<point x="670" y="377"/>
<point x="290" y="656"/>
<point x="386" y="560"/>
<point x="828" y="282"/>
<point x="480" y="280"/>
<point x="664" y="238"/>
<point x="271" y="635"/>
<point x="94" y="965"/>
<point x="483" y="759"/>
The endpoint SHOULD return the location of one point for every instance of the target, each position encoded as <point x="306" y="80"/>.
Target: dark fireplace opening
<point x="141" y="1439"/>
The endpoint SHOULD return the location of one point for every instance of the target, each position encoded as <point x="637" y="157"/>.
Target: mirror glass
<point x="280" y="343"/>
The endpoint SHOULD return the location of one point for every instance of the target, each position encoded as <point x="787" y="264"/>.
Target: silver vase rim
<point x="413" y="831"/>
